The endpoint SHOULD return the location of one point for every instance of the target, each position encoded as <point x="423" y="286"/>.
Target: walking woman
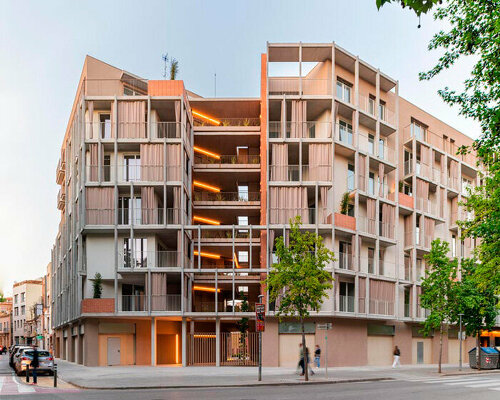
<point x="396" y="353"/>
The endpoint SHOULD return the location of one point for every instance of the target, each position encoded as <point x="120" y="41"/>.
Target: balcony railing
<point x="239" y="233"/>
<point x="133" y="173"/>
<point x="226" y="196"/>
<point x="229" y="122"/>
<point x="367" y="225"/>
<point x="407" y="310"/>
<point x="381" y="307"/>
<point x="367" y="264"/>
<point x="150" y="259"/>
<point x="346" y="261"/>
<point x="346" y="303"/>
<point x="287" y="173"/>
<point x="166" y="302"/>
<point x="305" y="130"/>
<point x="283" y="215"/>
<point x="201" y="159"/>
<point x="134" y="302"/>
<point x="367" y="104"/>
<point x="317" y="172"/>
<point x="166" y="130"/>
<point x="145" y="216"/>
<point x="291" y="86"/>
<point x="344" y="134"/>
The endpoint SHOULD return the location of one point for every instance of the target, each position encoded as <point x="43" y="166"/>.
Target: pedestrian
<point x="308" y="360"/>
<point x="317" y="356"/>
<point x="301" y="359"/>
<point x="396" y="354"/>
<point x="34" y="364"/>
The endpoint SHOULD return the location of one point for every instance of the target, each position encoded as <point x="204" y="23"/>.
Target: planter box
<point x="93" y="306"/>
<point x="406" y="201"/>
<point x="345" y="221"/>
<point x="165" y="88"/>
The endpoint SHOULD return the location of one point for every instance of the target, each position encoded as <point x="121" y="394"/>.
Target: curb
<point x="234" y="385"/>
<point x="482" y="372"/>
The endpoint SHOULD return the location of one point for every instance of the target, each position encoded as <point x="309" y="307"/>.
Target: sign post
<point x="260" y="316"/>
<point x="325" y="327"/>
<point x="461" y="338"/>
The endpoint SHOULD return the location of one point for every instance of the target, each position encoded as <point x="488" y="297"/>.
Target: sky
<point x="43" y="46"/>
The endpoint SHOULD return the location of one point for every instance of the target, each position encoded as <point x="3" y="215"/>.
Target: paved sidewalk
<point x="136" y="377"/>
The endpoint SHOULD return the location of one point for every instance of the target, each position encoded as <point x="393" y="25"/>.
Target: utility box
<point x="488" y="358"/>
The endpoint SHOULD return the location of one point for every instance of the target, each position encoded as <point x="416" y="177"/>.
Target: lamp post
<point x="261" y="296"/>
<point x="460" y="337"/>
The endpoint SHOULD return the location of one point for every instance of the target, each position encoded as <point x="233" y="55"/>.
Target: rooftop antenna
<point x="165" y="62"/>
<point x="215" y="84"/>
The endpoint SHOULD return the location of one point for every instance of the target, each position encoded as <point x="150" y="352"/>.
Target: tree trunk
<point x="304" y="351"/>
<point x="478" y="352"/>
<point x="440" y="346"/>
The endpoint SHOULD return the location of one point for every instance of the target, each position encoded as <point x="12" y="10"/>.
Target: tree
<point x="476" y="302"/>
<point x="97" y="285"/>
<point x="439" y="290"/>
<point x="474" y="31"/>
<point x="299" y="279"/>
<point x="174" y="69"/>
<point x="2" y="298"/>
<point x="243" y="327"/>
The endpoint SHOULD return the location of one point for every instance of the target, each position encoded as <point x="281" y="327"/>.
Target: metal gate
<point x="235" y="348"/>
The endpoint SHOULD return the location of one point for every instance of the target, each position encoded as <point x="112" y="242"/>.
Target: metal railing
<point x="144" y="216"/>
<point x="305" y="130"/>
<point x="226" y="196"/>
<point x="344" y="134"/>
<point x="239" y="233"/>
<point x="283" y="215"/>
<point x="239" y="348"/>
<point x="381" y="307"/>
<point x="134" y="302"/>
<point x="346" y="303"/>
<point x="407" y="310"/>
<point x="150" y="259"/>
<point x="367" y="104"/>
<point x="133" y="173"/>
<point x="367" y="264"/>
<point x="367" y="225"/>
<point x="242" y="159"/>
<point x="292" y="85"/>
<point x="166" y="130"/>
<point x="288" y="173"/>
<point x="346" y="261"/>
<point x="166" y="302"/>
<point x="317" y="172"/>
<point x="366" y="144"/>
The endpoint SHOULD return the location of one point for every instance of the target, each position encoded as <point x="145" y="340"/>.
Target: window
<point x="407" y="302"/>
<point x="16" y="298"/>
<point x="381" y="265"/>
<point x="371" y="104"/>
<point x="107" y="168"/>
<point x="344" y="91"/>
<point x="371" y="183"/>
<point x="243" y="192"/>
<point x="420" y="272"/>
<point x="16" y="311"/>
<point x="345" y="255"/>
<point x="132" y="166"/>
<point x="23" y="310"/>
<point x="418" y="130"/>
<point x="242" y="256"/>
<point x="125" y="210"/>
<point x="243" y="220"/>
<point x="371" y="144"/>
<point x="135" y="256"/>
<point x="407" y="189"/>
<point x="345" y="132"/>
<point x="22" y="297"/>
<point x="453" y="246"/>
<point x="350" y="210"/>
<point x="346" y="297"/>
<point x="105" y="126"/>
<point x="381" y="148"/>
<point x="381" y="110"/>
<point x="371" y="260"/>
<point x="350" y="177"/>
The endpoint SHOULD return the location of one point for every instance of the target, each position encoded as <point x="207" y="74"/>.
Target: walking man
<point x="317" y="356"/>
<point x="396" y="354"/>
<point x="35" y="364"/>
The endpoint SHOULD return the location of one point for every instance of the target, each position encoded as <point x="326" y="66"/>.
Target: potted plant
<point x="344" y="204"/>
<point x="97" y="285"/>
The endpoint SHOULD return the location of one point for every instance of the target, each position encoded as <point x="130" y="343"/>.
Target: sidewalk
<point x="147" y="377"/>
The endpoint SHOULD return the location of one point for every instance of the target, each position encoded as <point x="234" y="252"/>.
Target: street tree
<point x="439" y="290"/>
<point x="476" y="302"/>
<point x="298" y="282"/>
<point x="473" y="31"/>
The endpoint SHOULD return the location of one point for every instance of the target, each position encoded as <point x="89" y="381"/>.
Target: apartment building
<point x="6" y="322"/>
<point x="177" y="201"/>
<point x="27" y="295"/>
<point x="46" y="325"/>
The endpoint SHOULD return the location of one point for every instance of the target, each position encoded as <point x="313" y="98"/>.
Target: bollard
<point x="55" y="375"/>
<point x="28" y="373"/>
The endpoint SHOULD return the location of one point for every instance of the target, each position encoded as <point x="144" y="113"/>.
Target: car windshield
<point x="41" y="353"/>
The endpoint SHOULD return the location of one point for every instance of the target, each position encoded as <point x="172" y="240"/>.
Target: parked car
<point x="17" y="353"/>
<point x="45" y="361"/>
<point x="3" y="349"/>
<point x="13" y="350"/>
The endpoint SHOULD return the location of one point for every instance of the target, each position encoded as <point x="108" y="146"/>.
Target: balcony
<point x="279" y="86"/>
<point x="145" y="216"/>
<point x="151" y="259"/>
<point x="285" y="173"/>
<point x="346" y="261"/>
<point x="346" y="303"/>
<point x="221" y="122"/>
<point x="61" y="198"/>
<point x="60" y="172"/>
<point x="134" y="303"/>
<point x="367" y="225"/>
<point x="407" y="313"/>
<point x="96" y="306"/>
<point x="284" y="215"/>
<point x="381" y="307"/>
<point x="345" y="221"/>
<point x="226" y="197"/>
<point x="166" y="130"/>
<point x="344" y="135"/>
<point x="227" y="161"/>
<point x="305" y="130"/>
<point x="133" y="173"/>
<point x="166" y="302"/>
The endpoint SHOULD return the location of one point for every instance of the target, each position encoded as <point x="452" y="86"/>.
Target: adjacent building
<point x="176" y="200"/>
<point x="6" y="322"/>
<point x="27" y="300"/>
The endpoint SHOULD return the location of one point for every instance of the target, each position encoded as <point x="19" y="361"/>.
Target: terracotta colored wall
<point x="165" y="88"/>
<point x="98" y="306"/>
<point x="143" y="342"/>
<point x="347" y="343"/>
<point x="345" y="221"/>
<point x="402" y="339"/>
<point x="126" y="348"/>
<point x="270" y="344"/>
<point x="90" y="339"/>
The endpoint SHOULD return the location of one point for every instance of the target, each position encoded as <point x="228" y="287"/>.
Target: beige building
<point x="177" y="200"/>
<point x="27" y="295"/>
<point x="6" y="322"/>
<point x="47" y="331"/>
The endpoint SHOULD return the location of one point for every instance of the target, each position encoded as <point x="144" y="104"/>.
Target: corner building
<point x="176" y="200"/>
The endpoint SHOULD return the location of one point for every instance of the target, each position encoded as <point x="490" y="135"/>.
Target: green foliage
<point x="97" y="285"/>
<point x="439" y="290"/>
<point x="344" y="203"/>
<point x="174" y="69"/>
<point x="419" y="6"/>
<point x="2" y="298"/>
<point x="475" y="302"/>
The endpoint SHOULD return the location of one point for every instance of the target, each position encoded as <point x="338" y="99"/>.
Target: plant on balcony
<point x="97" y="285"/>
<point x="246" y="122"/>
<point x="233" y="160"/>
<point x="226" y="122"/>
<point x="218" y="197"/>
<point x="401" y="186"/>
<point x="439" y="290"/>
<point x="344" y="204"/>
<point x="299" y="278"/>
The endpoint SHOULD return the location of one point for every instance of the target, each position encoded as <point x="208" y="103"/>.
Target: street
<point x="452" y="387"/>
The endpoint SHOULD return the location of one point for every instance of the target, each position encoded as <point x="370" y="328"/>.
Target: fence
<point x="381" y="307"/>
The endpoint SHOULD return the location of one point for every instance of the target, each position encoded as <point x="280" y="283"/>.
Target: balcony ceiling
<point x="227" y="108"/>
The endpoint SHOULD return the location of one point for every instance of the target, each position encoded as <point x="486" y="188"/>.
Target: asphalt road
<point x="485" y="387"/>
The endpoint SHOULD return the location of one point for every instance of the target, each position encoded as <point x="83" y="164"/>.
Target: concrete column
<point x="153" y="341"/>
<point x="184" y="342"/>
<point x="217" y="342"/>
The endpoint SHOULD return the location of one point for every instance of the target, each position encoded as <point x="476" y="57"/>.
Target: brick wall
<point x="345" y="221"/>
<point x="92" y="306"/>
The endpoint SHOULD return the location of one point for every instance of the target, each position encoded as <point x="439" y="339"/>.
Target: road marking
<point x="478" y="385"/>
<point x="466" y="382"/>
<point x="25" y="388"/>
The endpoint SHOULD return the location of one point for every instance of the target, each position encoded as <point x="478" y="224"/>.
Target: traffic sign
<point x="324" y="327"/>
<point x="260" y="317"/>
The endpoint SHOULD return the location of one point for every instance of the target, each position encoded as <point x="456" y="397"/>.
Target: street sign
<point x="324" y="327"/>
<point x="39" y="337"/>
<point x="260" y="317"/>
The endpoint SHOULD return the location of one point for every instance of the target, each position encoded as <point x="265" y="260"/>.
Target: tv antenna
<point x="215" y="84"/>
<point x="165" y="62"/>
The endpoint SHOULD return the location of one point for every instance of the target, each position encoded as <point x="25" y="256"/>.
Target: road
<point x="485" y="387"/>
